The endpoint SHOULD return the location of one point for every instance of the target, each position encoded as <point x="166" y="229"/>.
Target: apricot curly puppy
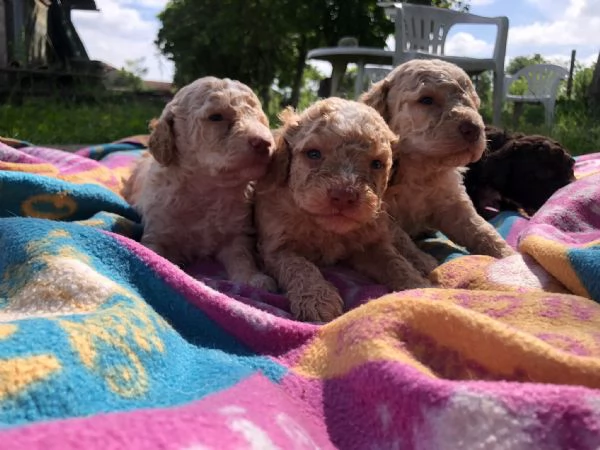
<point x="194" y="189"/>
<point x="432" y="106"/>
<point x="321" y="204"/>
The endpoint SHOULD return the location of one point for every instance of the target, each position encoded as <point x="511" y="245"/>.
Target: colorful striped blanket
<point x="105" y="345"/>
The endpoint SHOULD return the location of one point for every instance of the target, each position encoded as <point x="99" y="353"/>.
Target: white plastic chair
<point x="543" y="81"/>
<point x="421" y="32"/>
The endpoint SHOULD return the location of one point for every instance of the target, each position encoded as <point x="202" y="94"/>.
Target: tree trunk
<point x="265" y="97"/>
<point x="300" y="64"/>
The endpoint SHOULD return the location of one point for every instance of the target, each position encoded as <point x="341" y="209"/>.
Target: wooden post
<point x="594" y="89"/>
<point x="570" y="80"/>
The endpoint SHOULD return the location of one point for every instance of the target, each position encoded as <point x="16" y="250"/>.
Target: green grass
<point x="55" y="121"/>
<point x="58" y="121"/>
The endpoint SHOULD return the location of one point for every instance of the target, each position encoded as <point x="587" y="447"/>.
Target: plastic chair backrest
<point x="543" y="80"/>
<point x="425" y="29"/>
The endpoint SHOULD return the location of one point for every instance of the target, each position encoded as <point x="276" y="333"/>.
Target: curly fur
<point x="193" y="190"/>
<point x="517" y="172"/>
<point x="321" y="203"/>
<point x="432" y="105"/>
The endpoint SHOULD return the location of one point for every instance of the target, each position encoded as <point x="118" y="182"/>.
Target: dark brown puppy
<point x="517" y="172"/>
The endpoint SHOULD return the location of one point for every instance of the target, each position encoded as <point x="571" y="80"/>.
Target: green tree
<point x="130" y="76"/>
<point x="483" y="86"/>
<point x="582" y="79"/>
<point x="264" y="42"/>
<point x="244" y="40"/>
<point x="520" y="62"/>
<point x="519" y="87"/>
<point x="447" y="4"/>
<point x="320" y="23"/>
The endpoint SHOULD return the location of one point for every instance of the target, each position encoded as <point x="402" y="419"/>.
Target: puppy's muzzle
<point x="343" y="198"/>
<point x="260" y="145"/>
<point x="469" y="131"/>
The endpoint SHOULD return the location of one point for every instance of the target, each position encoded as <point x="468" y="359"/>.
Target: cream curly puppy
<point x="432" y="105"/>
<point x="321" y="202"/>
<point x="194" y="190"/>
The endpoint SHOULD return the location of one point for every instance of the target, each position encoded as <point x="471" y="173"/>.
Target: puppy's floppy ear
<point x="162" y="140"/>
<point x="376" y="98"/>
<point x="396" y="162"/>
<point x="394" y="178"/>
<point x="279" y="167"/>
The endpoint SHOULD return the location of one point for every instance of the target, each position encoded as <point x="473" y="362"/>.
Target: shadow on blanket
<point x="91" y="322"/>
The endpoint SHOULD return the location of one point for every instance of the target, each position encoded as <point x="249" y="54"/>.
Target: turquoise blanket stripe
<point x="183" y="364"/>
<point x="21" y="193"/>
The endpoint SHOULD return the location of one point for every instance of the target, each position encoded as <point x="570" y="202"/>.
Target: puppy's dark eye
<point x="313" y="154"/>
<point x="215" y="117"/>
<point x="426" y="100"/>
<point x="376" y="164"/>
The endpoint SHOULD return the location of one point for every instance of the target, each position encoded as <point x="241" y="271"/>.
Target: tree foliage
<point x="264" y="43"/>
<point x="460" y="5"/>
<point x="129" y="77"/>
<point x="520" y="62"/>
<point x="226" y="38"/>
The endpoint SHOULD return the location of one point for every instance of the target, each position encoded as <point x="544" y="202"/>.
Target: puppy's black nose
<point x="469" y="131"/>
<point x="259" y="145"/>
<point x="342" y="198"/>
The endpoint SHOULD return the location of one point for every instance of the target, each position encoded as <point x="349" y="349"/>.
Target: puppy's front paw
<point x="320" y="303"/>
<point x="503" y="250"/>
<point x="412" y="281"/>
<point x="508" y="251"/>
<point x="262" y="281"/>
<point x="425" y="264"/>
<point x="174" y="256"/>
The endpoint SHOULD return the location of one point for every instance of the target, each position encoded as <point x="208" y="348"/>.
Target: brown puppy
<point x="321" y="204"/>
<point x="432" y="105"/>
<point x="517" y="172"/>
<point x="194" y="189"/>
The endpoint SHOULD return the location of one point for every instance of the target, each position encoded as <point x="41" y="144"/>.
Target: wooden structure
<point x="40" y="48"/>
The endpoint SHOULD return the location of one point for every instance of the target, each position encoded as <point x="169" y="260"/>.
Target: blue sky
<point x="126" y="29"/>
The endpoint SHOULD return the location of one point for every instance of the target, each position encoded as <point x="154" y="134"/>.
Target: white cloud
<point x="558" y="27"/>
<point x="465" y="44"/>
<point x="561" y="32"/>
<point x="589" y="60"/>
<point x="119" y="32"/>
<point x="572" y="23"/>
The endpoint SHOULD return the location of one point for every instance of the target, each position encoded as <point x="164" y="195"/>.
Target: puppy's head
<point x="335" y="158"/>
<point x="527" y="170"/>
<point x="432" y="105"/>
<point x="496" y="138"/>
<point x="216" y="127"/>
